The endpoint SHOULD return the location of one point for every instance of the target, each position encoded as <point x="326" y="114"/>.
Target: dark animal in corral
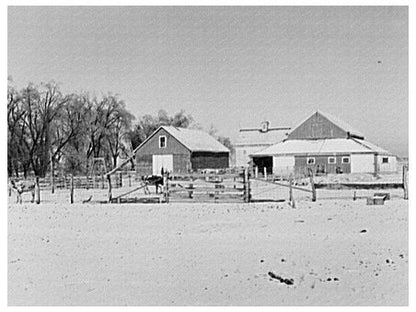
<point x="155" y="180"/>
<point x="22" y="187"/>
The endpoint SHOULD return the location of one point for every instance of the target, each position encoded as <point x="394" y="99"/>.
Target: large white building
<point x="325" y="145"/>
<point x="252" y="140"/>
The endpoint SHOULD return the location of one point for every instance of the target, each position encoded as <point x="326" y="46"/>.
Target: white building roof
<point x="254" y="137"/>
<point x="195" y="140"/>
<point x="323" y="146"/>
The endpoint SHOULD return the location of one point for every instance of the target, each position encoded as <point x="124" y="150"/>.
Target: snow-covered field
<point x="336" y="251"/>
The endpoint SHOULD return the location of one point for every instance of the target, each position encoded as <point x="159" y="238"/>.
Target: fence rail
<point x="83" y="182"/>
<point x="207" y="187"/>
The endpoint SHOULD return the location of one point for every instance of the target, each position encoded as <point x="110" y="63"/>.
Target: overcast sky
<point x="227" y="66"/>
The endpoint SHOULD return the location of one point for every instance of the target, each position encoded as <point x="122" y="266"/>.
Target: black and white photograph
<point x="215" y="155"/>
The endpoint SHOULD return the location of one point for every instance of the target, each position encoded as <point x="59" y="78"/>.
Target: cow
<point x="21" y="187"/>
<point x="155" y="180"/>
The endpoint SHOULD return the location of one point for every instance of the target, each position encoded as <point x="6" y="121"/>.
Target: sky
<point x="229" y="67"/>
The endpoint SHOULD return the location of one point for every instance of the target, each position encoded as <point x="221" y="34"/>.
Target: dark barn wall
<point x="182" y="163"/>
<point x="209" y="160"/>
<point x="301" y="167"/>
<point x="317" y="127"/>
<point x="143" y="165"/>
<point x="181" y="155"/>
<point x="173" y="146"/>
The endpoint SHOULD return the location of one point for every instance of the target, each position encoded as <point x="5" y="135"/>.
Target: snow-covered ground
<point x="337" y="251"/>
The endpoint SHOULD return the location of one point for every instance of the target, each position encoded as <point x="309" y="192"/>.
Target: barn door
<point x="162" y="161"/>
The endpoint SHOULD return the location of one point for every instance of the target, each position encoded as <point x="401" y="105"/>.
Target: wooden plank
<point x="131" y="191"/>
<point x="359" y="185"/>
<point x="206" y="189"/>
<point x="285" y="185"/>
<point x="205" y="193"/>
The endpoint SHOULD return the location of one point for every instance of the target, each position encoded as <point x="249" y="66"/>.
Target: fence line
<point x="82" y="182"/>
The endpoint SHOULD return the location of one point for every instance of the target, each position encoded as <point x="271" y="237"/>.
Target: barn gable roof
<point x="344" y="126"/>
<point x="193" y="139"/>
<point x="322" y="146"/>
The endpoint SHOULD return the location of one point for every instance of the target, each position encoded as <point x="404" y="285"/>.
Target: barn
<point x="324" y="144"/>
<point x="179" y="150"/>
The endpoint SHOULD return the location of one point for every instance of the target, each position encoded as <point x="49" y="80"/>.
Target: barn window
<point x="345" y="160"/>
<point x="385" y="160"/>
<point x="310" y="160"/>
<point x="332" y="160"/>
<point x="162" y="141"/>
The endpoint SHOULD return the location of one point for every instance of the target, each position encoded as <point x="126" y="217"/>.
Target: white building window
<point x="345" y="160"/>
<point x="162" y="141"/>
<point x="310" y="160"/>
<point x="332" y="160"/>
<point x="385" y="160"/>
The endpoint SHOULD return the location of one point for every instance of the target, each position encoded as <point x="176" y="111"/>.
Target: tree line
<point x="68" y="131"/>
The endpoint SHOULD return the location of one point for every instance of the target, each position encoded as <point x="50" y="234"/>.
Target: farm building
<point x="252" y="140"/>
<point x="326" y="145"/>
<point x="179" y="150"/>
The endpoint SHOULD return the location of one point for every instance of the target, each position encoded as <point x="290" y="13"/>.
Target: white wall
<point x="362" y="163"/>
<point x="283" y="165"/>
<point x="242" y="153"/>
<point x="391" y="166"/>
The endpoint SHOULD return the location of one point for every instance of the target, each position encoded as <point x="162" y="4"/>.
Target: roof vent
<point x="265" y="126"/>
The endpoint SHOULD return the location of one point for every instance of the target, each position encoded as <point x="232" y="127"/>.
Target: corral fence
<point x="121" y="179"/>
<point x="324" y="186"/>
<point x="205" y="186"/>
<point x="208" y="187"/>
<point x="231" y="186"/>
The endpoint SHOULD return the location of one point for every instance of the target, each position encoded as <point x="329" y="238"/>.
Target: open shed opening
<point x="263" y="162"/>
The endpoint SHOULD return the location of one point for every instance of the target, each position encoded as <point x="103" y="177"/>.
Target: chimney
<point x="265" y="126"/>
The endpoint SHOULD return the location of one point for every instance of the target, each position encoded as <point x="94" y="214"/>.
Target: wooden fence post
<point x="246" y="181"/>
<point x="291" y="199"/>
<point x="52" y="177"/>
<point x="245" y="177"/>
<point x="256" y="172"/>
<point x="166" y="186"/>
<point x="71" y="191"/>
<point x="37" y="190"/>
<point x="312" y="185"/>
<point x="248" y="187"/>
<point x="405" y="179"/>
<point x="110" y="195"/>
